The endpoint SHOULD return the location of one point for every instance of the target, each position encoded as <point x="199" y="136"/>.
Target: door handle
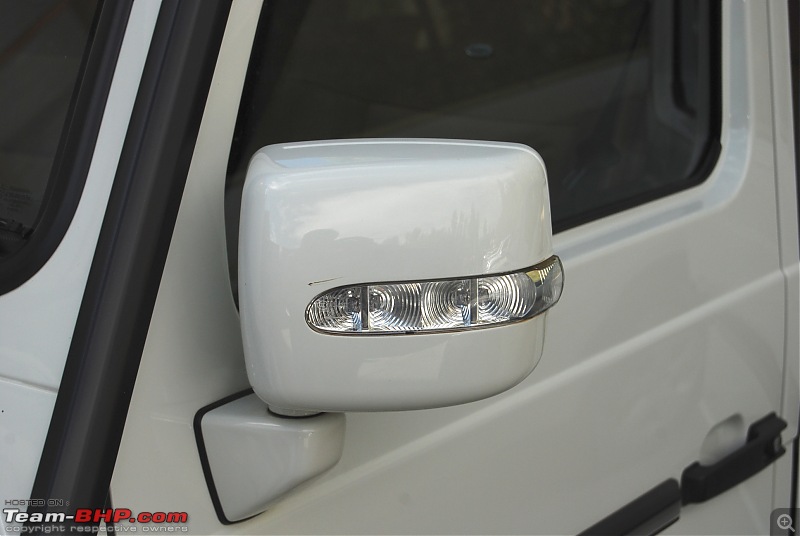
<point x="702" y="482"/>
<point x="660" y="507"/>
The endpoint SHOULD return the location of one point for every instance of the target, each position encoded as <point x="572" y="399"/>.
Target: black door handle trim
<point x="660" y="507"/>
<point x="702" y="482"/>
<point x="650" y="513"/>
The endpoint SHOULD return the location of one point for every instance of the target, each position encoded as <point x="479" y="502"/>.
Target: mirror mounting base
<point x="291" y="413"/>
<point x="251" y="456"/>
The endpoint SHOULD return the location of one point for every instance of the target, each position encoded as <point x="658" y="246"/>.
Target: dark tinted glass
<point x="42" y="44"/>
<point x="618" y="96"/>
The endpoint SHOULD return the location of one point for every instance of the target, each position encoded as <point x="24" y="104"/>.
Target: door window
<point x="620" y="97"/>
<point x="42" y="44"/>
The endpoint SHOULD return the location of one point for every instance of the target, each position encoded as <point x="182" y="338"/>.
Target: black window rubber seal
<point x="85" y="431"/>
<point x="794" y="55"/>
<point x="75" y="147"/>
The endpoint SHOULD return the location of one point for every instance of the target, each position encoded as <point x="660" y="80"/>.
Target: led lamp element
<point x="435" y="306"/>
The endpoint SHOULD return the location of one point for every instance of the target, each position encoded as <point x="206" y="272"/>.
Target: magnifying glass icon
<point x="784" y="522"/>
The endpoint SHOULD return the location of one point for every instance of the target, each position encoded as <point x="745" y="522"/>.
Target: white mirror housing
<point x="372" y="272"/>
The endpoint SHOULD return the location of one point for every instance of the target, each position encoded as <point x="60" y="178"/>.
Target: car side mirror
<point x="381" y="275"/>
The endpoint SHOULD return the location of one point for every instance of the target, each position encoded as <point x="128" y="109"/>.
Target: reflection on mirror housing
<point x="452" y="228"/>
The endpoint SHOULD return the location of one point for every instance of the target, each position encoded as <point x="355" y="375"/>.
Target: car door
<point x="666" y="130"/>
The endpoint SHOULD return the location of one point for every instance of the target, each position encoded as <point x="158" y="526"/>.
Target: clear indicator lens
<point x="337" y="310"/>
<point x="448" y="304"/>
<point x="395" y="307"/>
<point x="505" y="297"/>
<point x="423" y="306"/>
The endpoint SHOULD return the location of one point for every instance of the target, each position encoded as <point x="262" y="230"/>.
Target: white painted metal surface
<point x="37" y="319"/>
<point x="424" y="209"/>
<point x="672" y="320"/>
<point x="787" y="198"/>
